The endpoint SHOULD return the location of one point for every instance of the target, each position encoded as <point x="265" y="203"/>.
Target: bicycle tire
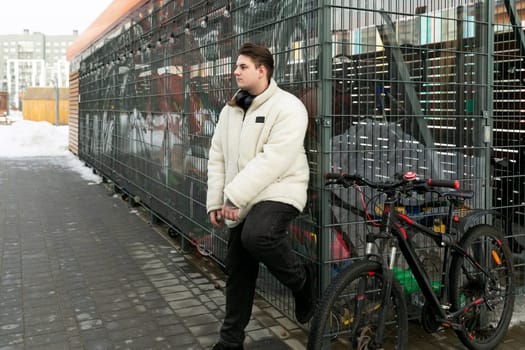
<point x="483" y="328"/>
<point x="339" y="303"/>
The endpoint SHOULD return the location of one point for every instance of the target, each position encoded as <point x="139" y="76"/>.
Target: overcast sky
<point x="49" y="17"/>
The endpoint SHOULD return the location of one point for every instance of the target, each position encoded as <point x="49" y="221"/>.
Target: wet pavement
<point x="81" y="269"/>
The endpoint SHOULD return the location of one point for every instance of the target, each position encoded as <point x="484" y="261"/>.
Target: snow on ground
<point x="24" y="138"/>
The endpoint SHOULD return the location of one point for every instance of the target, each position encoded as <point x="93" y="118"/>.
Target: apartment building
<point x="33" y="60"/>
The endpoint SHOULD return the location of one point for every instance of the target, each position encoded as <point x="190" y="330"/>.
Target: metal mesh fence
<point x="431" y="86"/>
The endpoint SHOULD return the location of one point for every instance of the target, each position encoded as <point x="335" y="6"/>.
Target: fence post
<point x="55" y="84"/>
<point x="324" y="123"/>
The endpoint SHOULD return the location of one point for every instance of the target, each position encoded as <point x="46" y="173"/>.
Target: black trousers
<point x="261" y="237"/>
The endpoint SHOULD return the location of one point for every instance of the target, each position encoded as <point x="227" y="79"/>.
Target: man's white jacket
<point x="258" y="155"/>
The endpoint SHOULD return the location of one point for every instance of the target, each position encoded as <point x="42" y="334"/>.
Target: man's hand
<point x="230" y="211"/>
<point x="216" y="217"/>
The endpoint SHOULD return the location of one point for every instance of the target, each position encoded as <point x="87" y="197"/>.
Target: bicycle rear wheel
<point x="347" y="315"/>
<point x="486" y="323"/>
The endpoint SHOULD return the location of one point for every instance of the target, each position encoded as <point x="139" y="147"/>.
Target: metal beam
<point x="414" y="107"/>
<point x="515" y="20"/>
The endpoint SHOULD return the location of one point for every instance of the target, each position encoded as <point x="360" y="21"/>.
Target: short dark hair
<point x="259" y="54"/>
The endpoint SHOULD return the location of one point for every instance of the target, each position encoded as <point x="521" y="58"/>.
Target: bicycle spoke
<point x="483" y="287"/>
<point x="349" y="317"/>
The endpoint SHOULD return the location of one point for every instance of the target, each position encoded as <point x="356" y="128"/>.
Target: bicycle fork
<point x="386" y="289"/>
<point x="388" y="275"/>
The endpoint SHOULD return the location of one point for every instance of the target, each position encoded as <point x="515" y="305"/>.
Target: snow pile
<point x="24" y="138"/>
<point x="33" y="139"/>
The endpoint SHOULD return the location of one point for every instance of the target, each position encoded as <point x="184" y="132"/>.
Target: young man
<point x="257" y="183"/>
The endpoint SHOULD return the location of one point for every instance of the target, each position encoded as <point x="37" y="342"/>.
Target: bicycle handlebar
<point x="408" y="180"/>
<point x="443" y="183"/>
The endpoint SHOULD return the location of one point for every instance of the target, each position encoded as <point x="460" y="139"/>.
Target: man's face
<point x="249" y="77"/>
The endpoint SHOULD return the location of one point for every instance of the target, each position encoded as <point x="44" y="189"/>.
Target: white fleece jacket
<point x="259" y="155"/>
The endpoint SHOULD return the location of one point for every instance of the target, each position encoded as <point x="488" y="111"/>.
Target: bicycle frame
<point x="395" y="224"/>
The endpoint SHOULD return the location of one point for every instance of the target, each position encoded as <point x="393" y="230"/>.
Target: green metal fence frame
<point x="133" y="178"/>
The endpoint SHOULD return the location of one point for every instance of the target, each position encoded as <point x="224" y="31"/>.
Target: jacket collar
<point x="259" y="99"/>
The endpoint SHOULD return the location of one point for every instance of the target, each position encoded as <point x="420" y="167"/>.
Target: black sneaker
<point x="221" y="346"/>
<point x="306" y="298"/>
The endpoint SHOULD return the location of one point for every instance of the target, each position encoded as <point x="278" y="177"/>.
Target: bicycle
<point x="364" y="306"/>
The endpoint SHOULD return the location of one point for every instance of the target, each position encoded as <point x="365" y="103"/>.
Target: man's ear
<point x="262" y="71"/>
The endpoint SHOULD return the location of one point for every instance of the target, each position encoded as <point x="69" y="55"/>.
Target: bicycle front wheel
<point x="347" y="315"/>
<point x="487" y="299"/>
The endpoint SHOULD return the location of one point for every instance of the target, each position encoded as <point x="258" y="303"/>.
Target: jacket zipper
<point x="239" y="145"/>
